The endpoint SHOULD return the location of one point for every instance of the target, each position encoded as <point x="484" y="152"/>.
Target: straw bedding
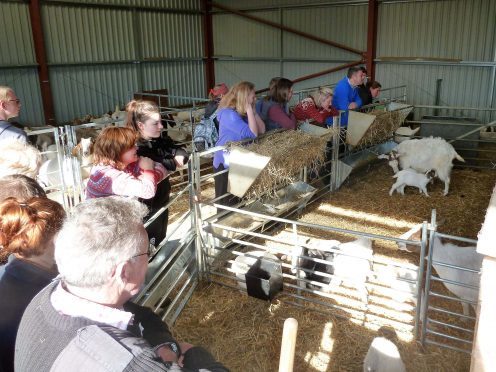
<point x="289" y="151"/>
<point x="245" y="333"/>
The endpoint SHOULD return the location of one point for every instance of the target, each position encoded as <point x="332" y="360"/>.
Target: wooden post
<point x="288" y="345"/>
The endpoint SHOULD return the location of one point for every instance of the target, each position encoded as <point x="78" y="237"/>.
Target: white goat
<point x="352" y="266"/>
<point x="466" y="257"/>
<point x="408" y="177"/>
<point x="119" y="116"/>
<point x="424" y="155"/>
<point x="404" y="133"/>
<point x="383" y="356"/>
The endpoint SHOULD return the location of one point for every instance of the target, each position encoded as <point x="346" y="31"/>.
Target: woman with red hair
<point x="118" y="170"/>
<point x="27" y="232"/>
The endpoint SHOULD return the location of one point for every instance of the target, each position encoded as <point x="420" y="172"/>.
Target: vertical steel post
<point x="208" y="44"/>
<point x="41" y="59"/>
<point x="425" y="304"/>
<point x="336" y="126"/>
<point x="371" y="37"/>
<point x="420" y="276"/>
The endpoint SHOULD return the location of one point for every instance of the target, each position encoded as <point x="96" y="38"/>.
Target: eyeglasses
<point x="149" y="252"/>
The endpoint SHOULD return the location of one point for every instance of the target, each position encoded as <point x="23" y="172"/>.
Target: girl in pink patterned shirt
<point x="118" y="170"/>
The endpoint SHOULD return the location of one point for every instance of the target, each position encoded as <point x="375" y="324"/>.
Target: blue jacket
<point x="344" y="94"/>
<point x="20" y="281"/>
<point x="232" y="128"/>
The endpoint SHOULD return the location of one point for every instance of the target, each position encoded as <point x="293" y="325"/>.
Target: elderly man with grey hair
<point x="84" y="321"/>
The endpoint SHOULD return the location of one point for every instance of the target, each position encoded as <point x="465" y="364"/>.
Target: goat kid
<point x="409" y="177"/>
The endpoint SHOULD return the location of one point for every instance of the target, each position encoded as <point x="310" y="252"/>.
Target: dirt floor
<point x="245" y="333"/>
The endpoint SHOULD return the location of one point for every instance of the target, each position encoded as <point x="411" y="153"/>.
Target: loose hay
<point x="383" y="127"/>
<point x="245" y="333"/>
<point x="290" y="151"/>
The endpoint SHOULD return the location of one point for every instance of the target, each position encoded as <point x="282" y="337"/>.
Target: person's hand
<point x="184" y="348"/>
<point x="180" y="160"/>
<point x="166" y="354"/>
<point x="249" y="106"/>
<point x="145" y="163"/>
<point x="352" y="105"/>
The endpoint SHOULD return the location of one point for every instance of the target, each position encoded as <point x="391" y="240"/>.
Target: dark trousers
<point x="158" y="228"/>
<point x="221" y="181"/>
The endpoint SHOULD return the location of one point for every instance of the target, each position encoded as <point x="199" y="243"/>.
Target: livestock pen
<point x="336" y="333"/>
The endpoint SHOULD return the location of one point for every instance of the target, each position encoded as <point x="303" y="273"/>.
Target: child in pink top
<point x="118" y="170"/>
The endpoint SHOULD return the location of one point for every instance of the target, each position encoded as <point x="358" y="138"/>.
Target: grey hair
<point x="17" y="157"/>
<point x="99" y="235"/>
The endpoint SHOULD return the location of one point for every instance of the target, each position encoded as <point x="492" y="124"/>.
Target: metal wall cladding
<point x="16" y="44"/>
<point x="180" y="78"/>
<point x="75" y="34"/>
<point x="235" y="36"/>
<point x="27" y="87"/>
<point x="259" y="73"/>
<point x="172" y="4"/>
<point x="457" y="29"/>
<point x="94" y="90"/>
<point x="346" y="25"/>
<point x="461" y="86"/>
<point x="165" y="35"/>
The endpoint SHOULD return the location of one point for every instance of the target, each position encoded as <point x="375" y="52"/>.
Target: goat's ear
<point x="382" y="156"/>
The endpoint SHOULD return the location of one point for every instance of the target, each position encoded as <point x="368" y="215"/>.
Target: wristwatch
<point x="174" y="347"/>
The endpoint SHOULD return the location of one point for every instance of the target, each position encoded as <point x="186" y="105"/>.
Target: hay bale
<point x="383" y="127"/>
<point x="289" y="151"/>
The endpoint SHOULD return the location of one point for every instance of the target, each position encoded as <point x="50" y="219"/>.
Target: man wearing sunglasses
<point x="10" y="106"/>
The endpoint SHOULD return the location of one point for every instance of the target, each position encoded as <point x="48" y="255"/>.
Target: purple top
<point x="232" y="127"/>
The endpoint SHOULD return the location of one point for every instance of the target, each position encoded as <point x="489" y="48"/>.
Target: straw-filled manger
<point x="290" y="151"/>
<point x="245" y="333"/>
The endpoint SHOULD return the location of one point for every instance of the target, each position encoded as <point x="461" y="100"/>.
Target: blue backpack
<point x="205" y="135"/>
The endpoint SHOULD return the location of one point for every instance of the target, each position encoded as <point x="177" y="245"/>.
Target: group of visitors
<point x="67" y="281"/>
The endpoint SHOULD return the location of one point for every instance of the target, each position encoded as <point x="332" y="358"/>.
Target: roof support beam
<point x="40" y="52"/>
<point x="208" y="44"/>
<point x="288" y="29"/>
<point x="371" y="38"/>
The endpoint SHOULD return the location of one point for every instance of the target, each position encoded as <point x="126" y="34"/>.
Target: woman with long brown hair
<point x="274" y="109"/>
<point x="27" y="231"/>
<point x="144" y="118"/>
<point x="117" y="168"/>
<point x="238" y="120"/>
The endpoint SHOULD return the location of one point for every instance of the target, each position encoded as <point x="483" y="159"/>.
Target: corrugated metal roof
<point x="16" y="43"/>
<point x="173" y="4"/>
<point x="27" y="87"/>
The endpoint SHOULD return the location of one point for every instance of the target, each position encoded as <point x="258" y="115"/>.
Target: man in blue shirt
<point x="10" y="106"/>
<point x="346" y="95"/>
